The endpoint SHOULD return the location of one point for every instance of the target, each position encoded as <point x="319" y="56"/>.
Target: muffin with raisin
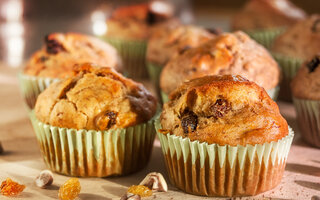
<point x="229" y="53"/>
<point x="101" y="118"/>
<point x="221" y="126"/>
<point x="55" y="61"/>
<point x="305" y="88"/>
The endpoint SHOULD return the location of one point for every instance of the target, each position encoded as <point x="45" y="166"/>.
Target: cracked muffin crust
<point x="306" y="83"/>
<point x="229" y="53"/>
<point x="62" y="51"/>
<point x="301" y="40"/>
<point x="226" y="110"/>
<point x="163" y="45"/>
<point x="96" y="99"/>
<point x="267" y="14"/>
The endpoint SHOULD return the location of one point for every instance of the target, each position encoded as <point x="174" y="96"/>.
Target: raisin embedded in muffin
<point x="62" y="51"/>
<point x="97" y="99"/>
<point x="223" y="110"/>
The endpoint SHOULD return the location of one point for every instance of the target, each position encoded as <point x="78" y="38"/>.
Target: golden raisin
<point x="140" y="190"/>
<point x="11" y="188"/>
<point x="70" y="189"/>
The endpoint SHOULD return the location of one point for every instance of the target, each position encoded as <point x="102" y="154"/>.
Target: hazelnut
<point x="44" y="179"/>
<point x="155" y="181"/>
<point x="130" y="196"/>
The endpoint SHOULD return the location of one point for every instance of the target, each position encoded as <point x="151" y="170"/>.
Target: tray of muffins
<point x="211" y="108"/>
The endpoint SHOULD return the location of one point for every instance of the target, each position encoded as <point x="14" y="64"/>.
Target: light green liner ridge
<point x="265" y="37"/>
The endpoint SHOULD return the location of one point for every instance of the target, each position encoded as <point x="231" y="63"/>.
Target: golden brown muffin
<point x="135" y="22"/>
<point x="301" y="40"/>
<point x="223" y="110"/>
<point x="229" y="53"/>
<point x="96" y="98"/>
<point x="62" y="51"/>
<point x="306" y="83"/>
<point x="266" y="14"/>
<point x="163" y="45"/>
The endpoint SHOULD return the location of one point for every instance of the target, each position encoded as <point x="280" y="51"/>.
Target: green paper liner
<point x="133" y="54"/>
<point x="289" y="67"/>
<point x="308" y="117"/>
<point x="265" y="37"/>
<point x="90" y="153"/>
<point x="32" y="86"/>
<point x="273" y="93"/>
<point x="154" y="71"/>
<point x="214" y="170"/>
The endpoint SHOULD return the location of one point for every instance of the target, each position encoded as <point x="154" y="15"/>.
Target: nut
<point x="130" y="196"/>
<point x="44" y="179"/>
<point x="155" y="181"/>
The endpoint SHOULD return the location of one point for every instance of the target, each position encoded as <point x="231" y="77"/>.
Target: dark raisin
<point x="189" y="121"/>
<point x="220" y="108"/>
<point x="315" y="27"/>
<point x="313" y="64"/>
<point x="53" y="46"/>
<point x="184" y="49"/>
<point x="213" y="31"/>
<point x="43" y="59"/>
<point x="106" y="120"/>
<point x="151" y="18"/>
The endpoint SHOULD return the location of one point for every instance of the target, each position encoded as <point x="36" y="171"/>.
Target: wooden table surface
<point x="22" y="160"/>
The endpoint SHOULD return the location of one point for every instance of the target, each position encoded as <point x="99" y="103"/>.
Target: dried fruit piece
<point x="155" y="182"/>
<point x="140" y="190"/>
<point x="70" y="189"/>
<point x="220" y="108"/>
<point x="53" y="46"/>
<point x="11" y="188"/>
<point x="44" y="179"/>
<point x="313" y="64"/>
<point x="106" y="120"/>
<point x="189" y="121"/>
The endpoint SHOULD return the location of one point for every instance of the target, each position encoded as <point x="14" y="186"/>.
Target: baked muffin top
<point x="95" y="98"/>
<point x="266" y="14"/>
<point x="306" y="83"/>
<point x="135" y="21"/>
<point x="229" y="53"/>
<point x="301" y="40"/>
<point x="226" y="110"/>
<point x="163" y="45"/>
<point x="62" y="51"/>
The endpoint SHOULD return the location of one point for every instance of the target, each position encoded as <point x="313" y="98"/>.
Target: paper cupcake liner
<point x="133" y="54"/>
<point x="213" y="170"/>
<point x="308" y="117"/>
<point x="265" y="37"/>
<point x="273" y="93"/>
<point x="90" y="153"/>
<point x="154" y="71"/>
<point x="289" y="67"/>
<point x="32" y="86"/>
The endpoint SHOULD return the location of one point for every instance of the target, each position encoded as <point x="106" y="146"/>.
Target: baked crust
<point x="229" y="53"/>
<point x="225" y="110"/>
<point x="62" y="51"/>
<point x="96" y="98"/>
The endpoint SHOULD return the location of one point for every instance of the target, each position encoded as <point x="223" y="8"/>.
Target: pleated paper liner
<point x="289" y="67"/>
<point x="133" y="54"/>
<point x="154" y="71"/>
<point x="308" y="116"/>
<point x="213" y="170"/>
<point x="90" y="153"/>
<point x="265" y="37"/>
<point x="273" y="93"/>
<point x="32" y="86"/>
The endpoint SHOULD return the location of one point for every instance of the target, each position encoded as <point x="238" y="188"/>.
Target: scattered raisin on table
<point x="140" y="190"/>
<point x="70" y="189"/>
<point x="11" y="188"/>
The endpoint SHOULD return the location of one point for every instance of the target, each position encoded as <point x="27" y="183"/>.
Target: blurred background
<point x="23" y="23"/>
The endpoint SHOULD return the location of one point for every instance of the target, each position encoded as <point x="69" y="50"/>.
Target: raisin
<point x="70" y="189"/>
<point x="53" y="46"/>
<point x="42" y="59"/>
<point x="184" y="49"/>
<point x="220" y="108"/>
<point x="315" y="27"/>
<point x="11" y="188"/>
<point x="140" y="190"/>
<point x="313" y="64"/>
<point x="213" y="31"/>
<point x="151" y="18"/>
<point x="106" y="120"/>
<point x="189" y="121"/>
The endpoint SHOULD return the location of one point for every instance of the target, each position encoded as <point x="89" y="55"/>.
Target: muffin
<point x="293" y="47"/>
<point x="97" y="123"/>
<point x="305" y="88"/>
<point x="223" y="136"/>
<point x="129" y="28"/>
<point x="164" y="44"/>
<point x="263" y="20"/>
<point x="55" y="61"/>
<point x="229" y="53"/>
